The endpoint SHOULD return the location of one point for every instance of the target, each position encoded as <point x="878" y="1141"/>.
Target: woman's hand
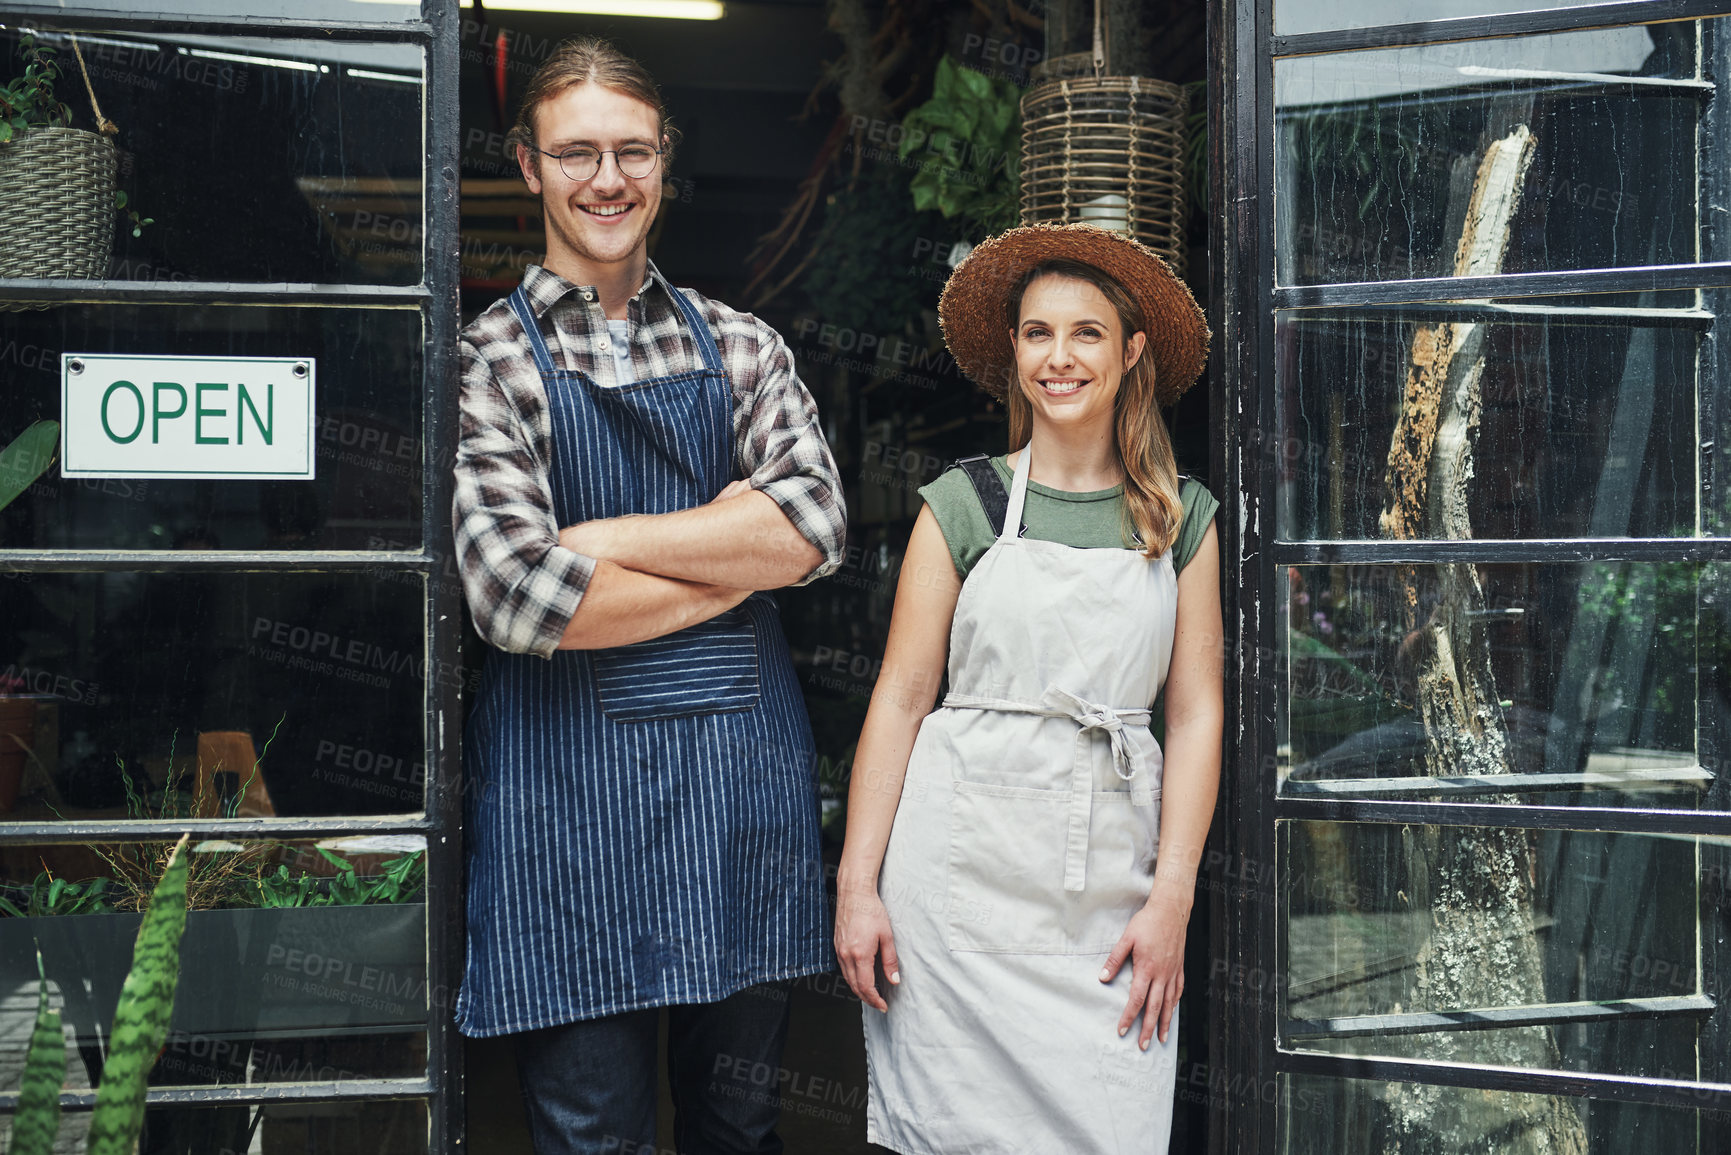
<point x="862" y="931"/>
<point x="1154" y="941"/>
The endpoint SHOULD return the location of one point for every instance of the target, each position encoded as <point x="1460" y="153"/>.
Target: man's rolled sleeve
<point x="784" y="454"/>
<point x="521" y="584"/>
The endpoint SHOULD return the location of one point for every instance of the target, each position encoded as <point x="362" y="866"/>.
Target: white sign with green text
<point x="194" y="417"/>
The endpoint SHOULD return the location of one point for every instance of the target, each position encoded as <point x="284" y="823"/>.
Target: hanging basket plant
<point x="56" y="181"/>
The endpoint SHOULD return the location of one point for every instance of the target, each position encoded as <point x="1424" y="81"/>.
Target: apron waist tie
<point x="1130" y="758"/>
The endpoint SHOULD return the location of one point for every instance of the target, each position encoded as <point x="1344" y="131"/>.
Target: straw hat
<point x="971" y="310"/>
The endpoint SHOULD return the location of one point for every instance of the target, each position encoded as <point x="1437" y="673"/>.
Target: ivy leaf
<point x="119" y="198"/>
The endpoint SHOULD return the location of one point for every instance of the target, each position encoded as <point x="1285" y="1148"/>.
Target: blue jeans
<point x="591" y="1089"/>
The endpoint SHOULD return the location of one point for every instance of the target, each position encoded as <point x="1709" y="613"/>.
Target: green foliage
<point x="860" y="280"/>
<point x="1665" y="599"/>
<point x="38" y="1117"/>
<point x="135" y="1040"/>
<point x="1377" y="150"/>
<point x="1196" y="177"/>
<point x="141" y="1019"/>
<point x="968" y="141"/>
<point x="28" y="101"/>
<point x="29" y="455"/>
<point x="401" y="882"/>
<point x="138" y="222"/>
<point x="49" y="896"/>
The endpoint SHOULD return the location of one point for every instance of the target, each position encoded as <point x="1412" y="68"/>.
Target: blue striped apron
<point x="642" y="820"/>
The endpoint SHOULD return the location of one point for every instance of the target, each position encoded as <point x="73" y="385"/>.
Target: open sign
<point x="191" y="417"/>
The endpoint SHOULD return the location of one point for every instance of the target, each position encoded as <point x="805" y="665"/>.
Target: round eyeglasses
<point x="582" y="162"/>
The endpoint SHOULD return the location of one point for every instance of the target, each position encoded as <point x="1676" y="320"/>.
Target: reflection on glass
<point x="1295" y="16"/>
<point x="257" y="159"/>
<point x="1579" y="681"/>
<point x="1387" y="923"/>
<point x="1326" y="1116"/>
<point x="367" y="432"/>
<point x="1566" y="151"/>
<point x="1536" y="421"/>
<point x="148" y="696"/>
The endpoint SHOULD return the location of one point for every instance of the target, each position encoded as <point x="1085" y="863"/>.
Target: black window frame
<point x="436" y="33"/>
<point x="1243" y="877"/>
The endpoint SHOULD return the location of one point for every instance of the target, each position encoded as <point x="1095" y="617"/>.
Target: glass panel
<point x="317" y="176"/>
<point x="1391" y="920"/>
<point x="1295" y="16"/>
<point x="129" y="695"/>
<point x="300" y="962"/>
<point x="367" y="431"/>
<point x="1324" y="1116"/>
<point x="1536" y="422"/>
<point x="1459" y="672"/>
<point x="1386" y="159"/>
<point x="397" y="1127"/>
<point x="380" y="11"/>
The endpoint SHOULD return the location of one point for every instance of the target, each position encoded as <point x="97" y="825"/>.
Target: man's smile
<point x="604" y="211"/>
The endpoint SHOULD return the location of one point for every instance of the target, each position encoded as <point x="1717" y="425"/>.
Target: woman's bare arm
<point x="1195" y="713"/>
<point x="906" y="688"/>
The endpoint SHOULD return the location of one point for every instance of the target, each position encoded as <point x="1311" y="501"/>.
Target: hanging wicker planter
<point x="1108" y="151"/>
<point x="57" y="200"/>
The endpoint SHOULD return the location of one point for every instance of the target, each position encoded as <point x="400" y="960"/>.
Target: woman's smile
<point x="1062" y="386"/>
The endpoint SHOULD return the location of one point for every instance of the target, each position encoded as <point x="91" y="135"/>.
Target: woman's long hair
<point x="1152" y="510"/>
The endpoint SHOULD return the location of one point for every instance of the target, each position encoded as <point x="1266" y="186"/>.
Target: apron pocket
<point x="1006" y="870"/>
<point x="708" y="668"/>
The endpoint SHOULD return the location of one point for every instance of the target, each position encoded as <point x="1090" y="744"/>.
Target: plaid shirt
<point x="522" y="585"/>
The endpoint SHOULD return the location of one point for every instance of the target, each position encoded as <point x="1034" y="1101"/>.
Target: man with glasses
<point x="635" y="461"/>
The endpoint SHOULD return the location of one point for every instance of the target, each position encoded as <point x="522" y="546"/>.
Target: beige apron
<point x="1023" y="843"/>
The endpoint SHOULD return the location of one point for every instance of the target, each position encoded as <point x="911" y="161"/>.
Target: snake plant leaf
<point x="23" y="461"/>
<point x="38" y="1119"/>
<point x="141" y="1020"/>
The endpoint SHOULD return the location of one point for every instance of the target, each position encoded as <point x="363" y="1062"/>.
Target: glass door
<point x="1475" y="867"/>
<point x="225" y="606"/>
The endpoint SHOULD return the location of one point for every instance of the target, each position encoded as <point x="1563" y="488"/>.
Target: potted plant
<point x="277" y="950"/>
<point x="56" y="181"/>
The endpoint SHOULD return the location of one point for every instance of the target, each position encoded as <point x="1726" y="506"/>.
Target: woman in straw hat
<point x="1021" y="861"/>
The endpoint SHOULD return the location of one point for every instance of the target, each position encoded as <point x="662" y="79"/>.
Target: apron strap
<point x="537" y="344"/>
<point x="1018" y="493"/>
<point x="700" y="332"/>
<point x="1130" y="759"/>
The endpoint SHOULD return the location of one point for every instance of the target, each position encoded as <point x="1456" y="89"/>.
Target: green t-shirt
<point x="1091" y="520"/>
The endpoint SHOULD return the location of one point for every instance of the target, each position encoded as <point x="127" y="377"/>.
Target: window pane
<point x="380" y="11"/>
<point x="1295" y="16"/>
<point x="396" y="1127"/>
<point x="1385" y="158"/>
<point x="366" y="432"/>
<point x="256" y="159"/>
<point x="203" y="695"/>
<point x="1396" y="921"/>
<point x="1535" y="421"/>
<point x="1431" y="681"/>
<point x="1325" y="1116"/>
<point x="299" y="963"/>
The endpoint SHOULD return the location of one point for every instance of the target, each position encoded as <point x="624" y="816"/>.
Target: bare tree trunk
<point x="1481" y="949"/>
